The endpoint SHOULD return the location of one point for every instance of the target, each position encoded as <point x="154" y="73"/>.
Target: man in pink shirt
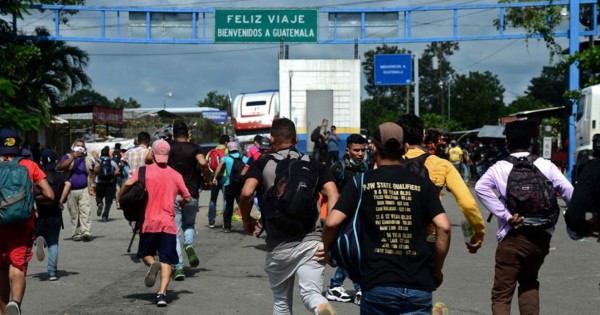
<point x="159" y="231"/>
<point x="521" y="250"/>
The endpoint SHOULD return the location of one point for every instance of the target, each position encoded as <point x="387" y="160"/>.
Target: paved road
<point x="100" y="277"/>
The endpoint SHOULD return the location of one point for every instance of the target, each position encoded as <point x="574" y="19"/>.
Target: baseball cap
<point x="388" y="137"/>
<point x="9" y="142"/>
<point x="232" y="146"/>
<point x="161" y="149"/>
<point x="48" y="159"/>
<point x="265" y="143"/>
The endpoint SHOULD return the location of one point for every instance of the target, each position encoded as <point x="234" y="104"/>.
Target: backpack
<point x="107" y="171"/>
<point x="214" y="158"/>
<point x="314" y="136"/>
<point x="345" y="250"/>
<point x="16" y="192"/>
<point x="290" y="201"/>
<point x="116" y="156"/>
<point x="235" y="177"/>
<point x="134" y="201"/>
<point x="416" y="165"/>
<point x="530" y="194"/>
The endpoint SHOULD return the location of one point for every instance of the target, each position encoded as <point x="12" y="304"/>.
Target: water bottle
<point x="467" y="231"/>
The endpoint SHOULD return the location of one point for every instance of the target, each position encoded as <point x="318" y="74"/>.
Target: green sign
<point x="265" y="26"/>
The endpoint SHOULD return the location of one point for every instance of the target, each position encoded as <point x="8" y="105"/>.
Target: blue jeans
<point x="384" y="300"/>
<point x="185" y="219"/>
<point x="49" y="228"/>
<point x="214" y="194"/>
<point x="338" y="280"/>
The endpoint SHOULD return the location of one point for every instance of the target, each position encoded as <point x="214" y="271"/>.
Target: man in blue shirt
<point x="233" y="180"/>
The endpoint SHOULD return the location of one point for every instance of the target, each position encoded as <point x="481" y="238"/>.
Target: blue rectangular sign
<point x="393" y="69"/>
<point x="217" y="116"/>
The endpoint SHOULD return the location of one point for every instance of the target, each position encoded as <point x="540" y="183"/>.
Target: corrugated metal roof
<point x="491" y="131"/>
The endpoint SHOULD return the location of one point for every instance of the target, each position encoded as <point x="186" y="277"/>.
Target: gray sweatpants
<point x="283" y="266"/>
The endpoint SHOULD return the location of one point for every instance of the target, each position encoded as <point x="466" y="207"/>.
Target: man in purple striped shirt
<point x="520" y="252"/>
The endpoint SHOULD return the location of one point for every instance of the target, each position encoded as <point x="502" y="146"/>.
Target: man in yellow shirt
<point x="442" y="172"/>
<point x="455" y="155"/>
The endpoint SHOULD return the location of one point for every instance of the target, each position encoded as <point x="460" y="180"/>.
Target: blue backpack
<point x="16" y="192"/>
<point x="346" y="251"/>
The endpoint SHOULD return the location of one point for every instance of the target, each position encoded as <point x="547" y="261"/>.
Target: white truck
<point x="253" y="114"/>
<point x="587" y="124"/>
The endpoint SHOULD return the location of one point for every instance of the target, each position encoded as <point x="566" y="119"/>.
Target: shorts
<point x="163" y="243"/>
<point x="16" y="242"/>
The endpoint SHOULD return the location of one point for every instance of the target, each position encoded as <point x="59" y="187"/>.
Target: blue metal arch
<point x="200" y="17"/>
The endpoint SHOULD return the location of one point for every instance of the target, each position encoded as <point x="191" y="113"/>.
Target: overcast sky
<point x="148" y="72"/>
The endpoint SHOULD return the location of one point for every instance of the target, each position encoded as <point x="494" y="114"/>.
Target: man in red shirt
<point x="159" y="231"/>
<point x="16" y="240"/>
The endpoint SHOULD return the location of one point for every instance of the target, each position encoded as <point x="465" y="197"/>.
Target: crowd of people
<point x="391" y="182"/>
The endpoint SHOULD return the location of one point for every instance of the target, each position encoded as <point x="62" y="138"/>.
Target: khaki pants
<point x="79" y="209"/>
<point x="519" y="258"/>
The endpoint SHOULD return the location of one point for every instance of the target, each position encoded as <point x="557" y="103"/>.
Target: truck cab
<point x="253" y="114"/>
<point x="587" y="122"/>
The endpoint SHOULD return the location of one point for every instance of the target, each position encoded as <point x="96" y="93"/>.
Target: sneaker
<point x="104" y="219"/>
<point x="325" y="309"/>
<point x="337" y="294"/>
<point x="76" y="238"/>
<point x="179" y="275"/>
<point x="211" y="224"/>
<point x="52" y="278"/>
<point x="226" y="230"/>
<point x="161" y="300"/>
<point x="86" y="237"/>
<point x="191" y="253"/>
<point x="150" y="279"/>
<point x="13" y="308"/>
<point x="99" y="211"/>
<point x="39" y="248"/>
<point x="357" y="298"/>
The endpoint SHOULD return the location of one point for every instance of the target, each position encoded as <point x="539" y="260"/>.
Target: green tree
<point x="540" y="20"/>
<point x="216" y="100"/>
<point x="122" y="103"/>
<point x="523" y="103"/>
<point x="87" y="97"/>
<point x="435" y="76"/>
<point x="477" y="99"/>
<point x="29" y="85"/>
<point x="374" y="112"/>
<point x="551" y="85"/>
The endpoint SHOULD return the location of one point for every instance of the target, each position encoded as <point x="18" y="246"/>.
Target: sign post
<point x="266" y="26"/>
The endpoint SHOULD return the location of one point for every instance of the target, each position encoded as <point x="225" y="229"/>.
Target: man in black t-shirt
<point x="402" y="262"/>
<point x="289" y="254"/>
<point x="187" y="159"/>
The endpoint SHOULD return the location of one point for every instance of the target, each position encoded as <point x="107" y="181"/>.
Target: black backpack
<point x="235" y="177"/>
<point x="530" y="194"/>
<point x="416" y="165"/>
<point x="314" y="136"/>
<point x="134" y="201"/>
<point x="107" y="171"/>
<point x="291" y="201"/>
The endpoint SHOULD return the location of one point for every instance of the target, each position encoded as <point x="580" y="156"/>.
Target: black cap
<point x="9" y="142"/>
<point x="48" y="159"/>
